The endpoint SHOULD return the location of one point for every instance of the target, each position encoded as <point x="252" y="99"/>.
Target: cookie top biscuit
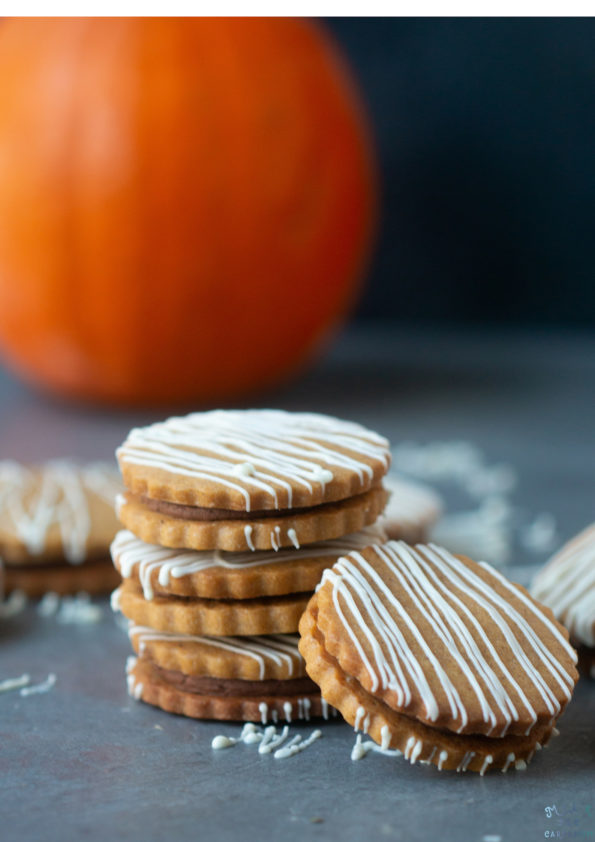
<point x="55" y="511"/>
<point x="444" y="640"/>
<point x="215" y="574"/>
<point x="567" y="585"/>
<point x="252" y="460"/>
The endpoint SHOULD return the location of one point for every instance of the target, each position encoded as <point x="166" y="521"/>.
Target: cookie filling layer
<point x="199" y="513"/>
<point x="208" y="686"/>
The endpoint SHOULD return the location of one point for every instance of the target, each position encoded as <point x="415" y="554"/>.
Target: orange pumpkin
<point x="185" y="204"/>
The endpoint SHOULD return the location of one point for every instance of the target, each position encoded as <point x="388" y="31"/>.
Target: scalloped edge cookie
<point x="271" y="533"/>
<point x="390" y="730"/>
<point x="213" y="574"/>
<point x="182" y="615"/>
<point x="93" y="577"/>
<point x="263" y="658"/>
<point x="145" y="684"/>
<point x="253" y="459"/>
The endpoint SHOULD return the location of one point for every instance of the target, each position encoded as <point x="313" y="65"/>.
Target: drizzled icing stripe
<point x="131" y="552"/>
<point x="280" y="649"/>
<point x="264" y="450"/>
<point x="567" y="586"/>
<point x="449" y="608"/>
<point x="55" y="495"/>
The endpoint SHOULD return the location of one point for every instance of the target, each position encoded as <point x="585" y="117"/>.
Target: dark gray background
<point x="485" y="131"/>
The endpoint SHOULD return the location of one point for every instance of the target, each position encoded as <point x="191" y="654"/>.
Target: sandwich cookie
<point x="567" y="585"/>
<point x="251" y="480"/>
<point x="56" y="524"/>
<point x="438" y="657"/>
<point x="227" y="678"/>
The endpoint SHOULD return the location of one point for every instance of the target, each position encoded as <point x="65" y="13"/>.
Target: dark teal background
<point x="486" y="134"/>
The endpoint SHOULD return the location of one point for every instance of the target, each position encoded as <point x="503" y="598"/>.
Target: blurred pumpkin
<point x="186" y="204"/>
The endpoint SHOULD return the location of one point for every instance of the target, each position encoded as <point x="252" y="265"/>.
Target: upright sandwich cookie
<point x="567" y="585"/>
<point x="57" y="521"/>
<point x="251" y="480"/>
<point x="237" y="547"/>
<point x="438" y="657"/>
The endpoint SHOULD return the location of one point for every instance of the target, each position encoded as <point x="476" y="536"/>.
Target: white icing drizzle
<point x="280" y="649"/>
<point x="357" y="587"/>
<point x="34" y="502"/>
<point x="466" y="760"/>
<point x="114" y="599"/>
<point x="292" y="535"/>
<point x="248" y="537"/>
<point x="442" y="758"/>
<point x="12" y="606"/>
<point x="360" y="749"/>
<point x="510" y="759"/>
<point x="14" y="683"/>
<point x="567" y="585"/>
<point x="284" y="449"/>
<point x="43" y="687"/>
<point x="487" y="762"/>
<point x="268" y="740"/>
<point x="130" y="552"/>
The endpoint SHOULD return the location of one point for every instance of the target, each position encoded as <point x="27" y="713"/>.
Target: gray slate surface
<point x="86" y="762"/>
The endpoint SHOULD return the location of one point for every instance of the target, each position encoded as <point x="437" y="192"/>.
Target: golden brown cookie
<point x="57" y="511"/>
<point x="245" y="701"/>
<point x="411" y="511"/>
<point x="252" y="460"/>
<point x="214" y="574"/>
<point x="440" y="642"/>
<point x="567" y="585"/>
<point x="274" y="657"/>
<point x="93" y="577"/>
<point x="185" y="615"/>
<point x="322" y="523"/>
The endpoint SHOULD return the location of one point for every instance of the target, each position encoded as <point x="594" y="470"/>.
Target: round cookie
<point x="92" y="577"/>
<point x="56" y="511"/>
<point x="286" y="529"/>
<point x="567" y="585"/>
<point x="274" y="657"/>
<point x="184" y="615"/>
<point x="252" y="460"/>
<point x="245" y="703"/>
<point x="216" y="574"/>
<point x="411" y="511"/>
<point x="432" y="646"/>
<point x="56" y="524"/>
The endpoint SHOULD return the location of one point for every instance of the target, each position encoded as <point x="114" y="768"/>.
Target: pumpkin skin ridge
<point x="284" y="311"/>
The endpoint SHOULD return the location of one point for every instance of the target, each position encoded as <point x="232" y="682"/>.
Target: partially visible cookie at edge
<point x="567" y="586"/>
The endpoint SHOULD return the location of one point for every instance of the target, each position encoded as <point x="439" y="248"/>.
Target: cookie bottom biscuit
<point x="248" y="704"/>
<point x="192" y="615"/>
<point x="285" y="529"/>
<point x="93" y="577"/>
<point x="416" y="741"/>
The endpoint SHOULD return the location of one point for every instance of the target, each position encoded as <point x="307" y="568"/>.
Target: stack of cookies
<point x="56" y="524"/>
<point x="231" y="518"/>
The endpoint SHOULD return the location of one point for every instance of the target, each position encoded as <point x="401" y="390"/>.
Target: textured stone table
<point x="84" y="761"/>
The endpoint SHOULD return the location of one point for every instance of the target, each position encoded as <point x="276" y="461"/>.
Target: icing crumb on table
<point x="269" y="739"/>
